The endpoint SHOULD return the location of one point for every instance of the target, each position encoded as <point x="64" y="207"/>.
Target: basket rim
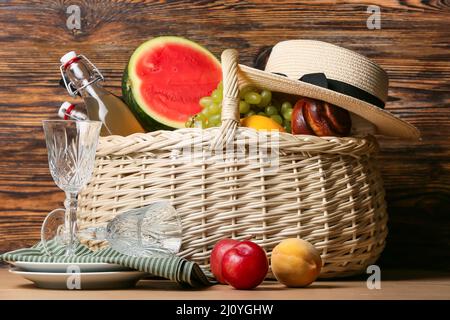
<point x="166" y="140"/>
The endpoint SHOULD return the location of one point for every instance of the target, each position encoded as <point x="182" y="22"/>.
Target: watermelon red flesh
<point x="168" y="78"/>
<point x="174" y="78"/>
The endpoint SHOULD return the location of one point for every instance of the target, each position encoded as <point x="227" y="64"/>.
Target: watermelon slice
<point x="165" y="79"/>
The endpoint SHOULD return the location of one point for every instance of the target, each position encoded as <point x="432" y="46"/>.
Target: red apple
<point x="245" y="265"/>
<point x="216" y="257"/>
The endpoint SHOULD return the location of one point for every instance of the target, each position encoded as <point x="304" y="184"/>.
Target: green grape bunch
<point x="251" y="101"/>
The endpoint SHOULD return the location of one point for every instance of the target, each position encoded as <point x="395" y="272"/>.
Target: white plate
<point x="63" y="267"/>
<point x="89" y="280"/>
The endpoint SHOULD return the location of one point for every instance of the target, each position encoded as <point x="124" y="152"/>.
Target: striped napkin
<point x="177" y="269"/>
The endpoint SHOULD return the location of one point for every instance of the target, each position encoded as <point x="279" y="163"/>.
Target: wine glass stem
<point x="71" y="204"/>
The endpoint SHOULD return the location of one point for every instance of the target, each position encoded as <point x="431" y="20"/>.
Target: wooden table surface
<point x="397" y="285"/>
<point x="412" y="45"/>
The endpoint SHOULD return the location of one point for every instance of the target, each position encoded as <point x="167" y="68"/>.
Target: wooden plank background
<point x="412" y="45"/>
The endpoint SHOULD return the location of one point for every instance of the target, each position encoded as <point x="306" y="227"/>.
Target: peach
<point x="295" y="262"/>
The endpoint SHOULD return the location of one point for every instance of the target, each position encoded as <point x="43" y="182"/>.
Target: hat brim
<point x="385" y="122"/>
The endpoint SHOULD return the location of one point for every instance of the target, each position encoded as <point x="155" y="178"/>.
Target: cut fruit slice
<point x="165" y="79"/>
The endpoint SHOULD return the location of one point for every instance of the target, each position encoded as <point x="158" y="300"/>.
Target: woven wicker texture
<point x="324" y="190"/>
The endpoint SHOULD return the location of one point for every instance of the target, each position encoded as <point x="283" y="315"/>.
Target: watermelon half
<point x="165" y="79"/>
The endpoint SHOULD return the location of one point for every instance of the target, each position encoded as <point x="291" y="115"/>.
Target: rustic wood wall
<point x="412" y="45"/>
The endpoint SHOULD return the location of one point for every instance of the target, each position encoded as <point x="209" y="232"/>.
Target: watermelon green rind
<point x="147" y="122"/>
<point x="131" y="85"/>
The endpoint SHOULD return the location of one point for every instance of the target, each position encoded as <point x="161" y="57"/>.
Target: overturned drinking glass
<point x="152" y="230"/>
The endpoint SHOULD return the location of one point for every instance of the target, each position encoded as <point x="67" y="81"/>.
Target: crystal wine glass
<point x="71" y="147"/>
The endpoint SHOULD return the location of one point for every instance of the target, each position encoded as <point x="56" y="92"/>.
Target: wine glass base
<point x="54" y="235"/>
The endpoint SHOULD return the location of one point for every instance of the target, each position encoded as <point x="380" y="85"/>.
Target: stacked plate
<point x="77" y="275"/>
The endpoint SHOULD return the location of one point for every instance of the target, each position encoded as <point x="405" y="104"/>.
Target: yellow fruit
<point x="295" y="262"/>
<point x="261" y="123"/>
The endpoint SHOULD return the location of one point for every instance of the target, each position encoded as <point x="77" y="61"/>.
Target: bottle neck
<point x="75" y="115"/>
<point x="84" y="79"/>
<point x="93" y="90"/>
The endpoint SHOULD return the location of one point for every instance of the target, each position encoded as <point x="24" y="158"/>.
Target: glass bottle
<point x="80" y="74"/>
<point x="69" y="111"/>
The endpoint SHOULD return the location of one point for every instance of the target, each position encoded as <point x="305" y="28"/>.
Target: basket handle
<point x="230" y="101"/>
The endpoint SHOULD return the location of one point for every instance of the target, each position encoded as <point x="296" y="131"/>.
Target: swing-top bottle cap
<point x="65" y="109"/>
<point x="68" y="57"/>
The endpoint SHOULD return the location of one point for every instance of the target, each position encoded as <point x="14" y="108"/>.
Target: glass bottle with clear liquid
<point x="69" y="111"/>
<point x="82" y="77"/>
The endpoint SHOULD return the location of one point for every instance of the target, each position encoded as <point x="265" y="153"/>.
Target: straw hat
<point x="324" y="71"/>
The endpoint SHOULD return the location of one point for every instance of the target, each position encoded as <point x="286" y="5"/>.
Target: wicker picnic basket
<point x="326" y="190"/>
